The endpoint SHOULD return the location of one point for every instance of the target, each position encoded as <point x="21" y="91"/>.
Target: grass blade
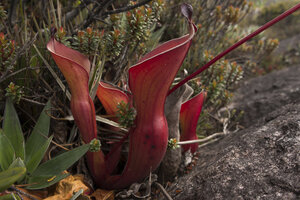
<point x="62" y="86"/>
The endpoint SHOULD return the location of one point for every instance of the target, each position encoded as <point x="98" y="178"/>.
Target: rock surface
<point x="262" y="95"/>
<point x="260" y="162"/>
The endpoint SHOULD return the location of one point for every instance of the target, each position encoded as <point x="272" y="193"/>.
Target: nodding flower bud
<point x="187" y="11"/>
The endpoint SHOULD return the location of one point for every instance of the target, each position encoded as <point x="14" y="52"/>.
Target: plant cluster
<point x="20" y="161"/>
<point x="121" y="39"/>
<point x="149" y="82"/>
<point x="125" y="114"/>
<point x="98" y="30"/>
<point x="271" y="11"/>
<point x="7" y="54"/>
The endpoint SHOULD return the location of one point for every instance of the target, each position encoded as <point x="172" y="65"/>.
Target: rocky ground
<point x="260" y="162"/>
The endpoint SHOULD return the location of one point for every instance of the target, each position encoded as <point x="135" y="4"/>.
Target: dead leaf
<point x="100" y="194"/>
<point x="68" y="186"/>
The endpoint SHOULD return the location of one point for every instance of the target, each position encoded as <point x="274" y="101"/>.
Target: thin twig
<point x="74" y="12"/>
<point x="17" y="56"/>
<point x="22" y="192"/>
<point x="32" y="101"/>
<point x="127" y="8"/>
<point x="53" y="73"/>
<point x="99" y="119"/>
<point x="92" y="14"/>
<point x="202" y="140"/>
<point x="165" y="193"/>
<point x="207" y="143"/>
<point x="16" y="72"/>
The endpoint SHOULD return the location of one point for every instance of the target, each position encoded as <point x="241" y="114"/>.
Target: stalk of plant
<point x="149" y="82"/>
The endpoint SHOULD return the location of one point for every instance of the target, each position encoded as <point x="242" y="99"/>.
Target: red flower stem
<point x="242" y="41"/>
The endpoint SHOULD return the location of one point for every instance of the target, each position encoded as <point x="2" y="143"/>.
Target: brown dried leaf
<point x="100" y="194"/>
<point x="68" y="186"/>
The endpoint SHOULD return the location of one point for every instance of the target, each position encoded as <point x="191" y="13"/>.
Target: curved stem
<point x="242" y="41"/>
<point x="201" y="140"/>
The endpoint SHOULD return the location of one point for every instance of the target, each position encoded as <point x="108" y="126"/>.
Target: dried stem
<point x="201" y="140"/>
<point x="164" y="191"/>
<point x="127" y="8"/>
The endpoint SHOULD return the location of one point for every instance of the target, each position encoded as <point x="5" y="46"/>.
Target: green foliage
<point x="9" y="176"/>
<point x="215" y="21"/>
<point x="10" y="196"/>
<point x="38" y="141"/>
<point x="172" y="143"/>
<point x="7" y="152"/>
<point x="12" y="129"/>
<point x="7" y="53"/>
<point x="15" y="157"/>
<point x="40" y="182"/>
<point x="14" y="92"/>
<point x="95" y="145"/>
<point x="290" y="23"/>
<point x="50" y="172"/>
<point x="112" y="42"/>
<point x="3" y="13"/>
<point x="126" y="114"/>
<point x="123" y="38"/>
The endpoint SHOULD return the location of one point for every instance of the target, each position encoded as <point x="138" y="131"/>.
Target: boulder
<point x="261" y="161"/>
<point x="262" y="95"/>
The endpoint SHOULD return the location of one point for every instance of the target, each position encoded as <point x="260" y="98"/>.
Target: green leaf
<point x="10" y="196"/>
<point x="36" y="158"/>
<point x="10" y="176"/>
<point x="7" y="152"/>
<point x="61" y="162"/>
<point x="12" y="129"/>
<point x="40" y="182"/>
<point x="18" y="163"/>
<point x="39" y="136"/>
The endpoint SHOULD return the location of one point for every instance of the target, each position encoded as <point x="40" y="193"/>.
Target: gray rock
<point x="261" y="162"/>
<point x="259" y="96"/>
